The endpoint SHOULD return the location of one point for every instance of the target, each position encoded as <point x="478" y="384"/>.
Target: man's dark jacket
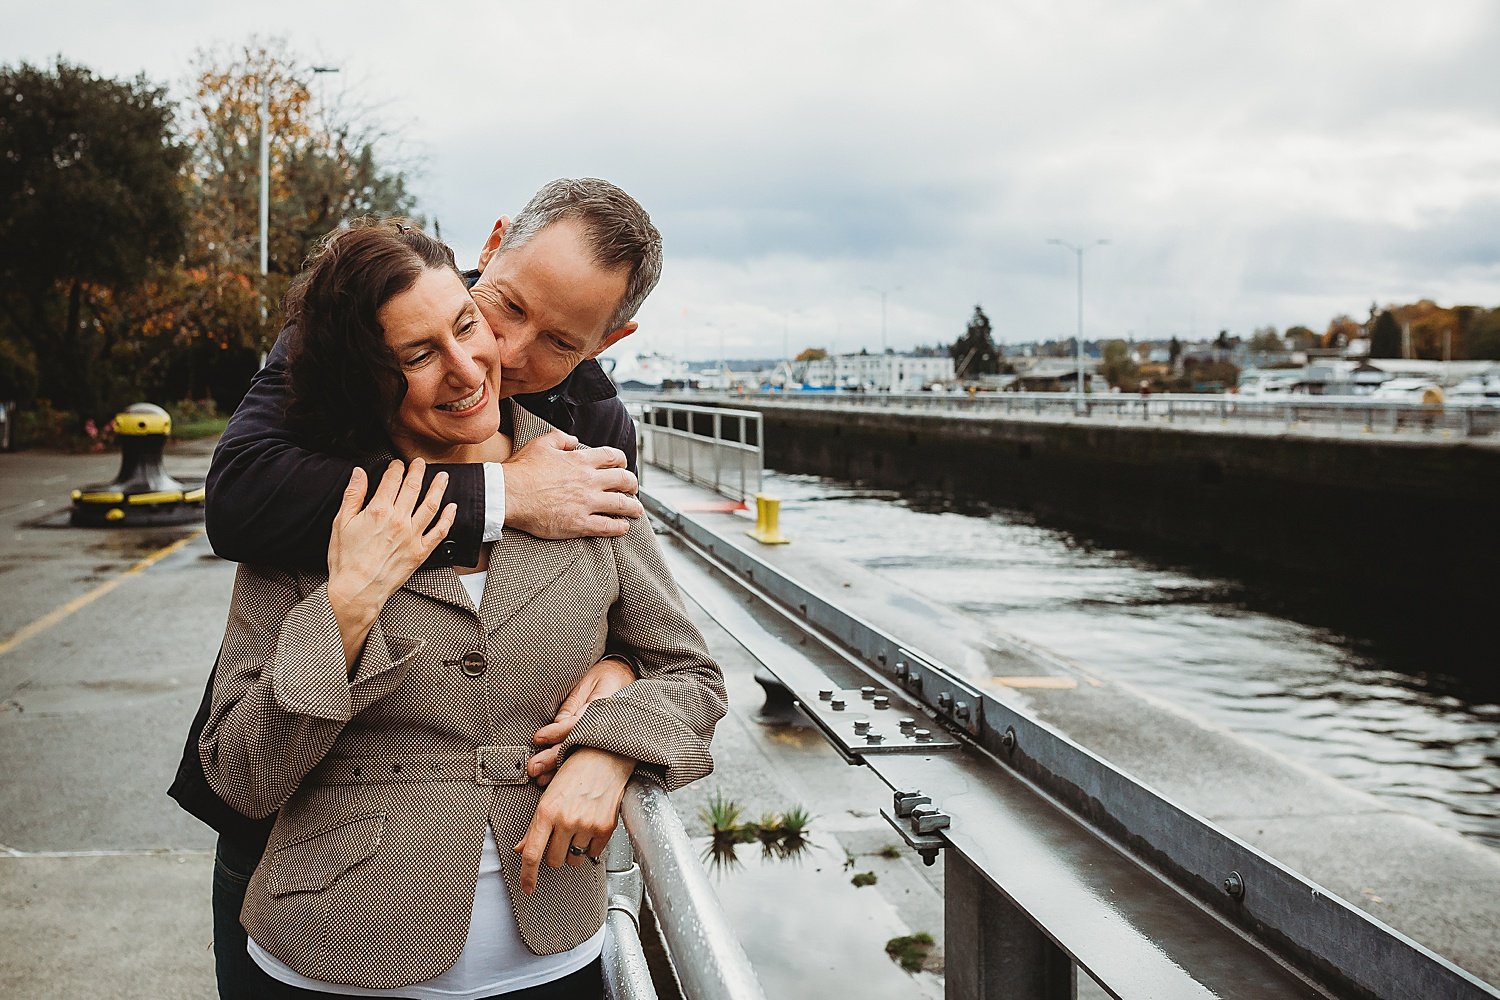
<point x="271" y="501"/>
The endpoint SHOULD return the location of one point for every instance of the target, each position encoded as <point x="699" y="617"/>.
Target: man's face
<point x="548" y="304"/>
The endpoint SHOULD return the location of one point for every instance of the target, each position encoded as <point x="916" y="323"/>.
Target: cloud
<point x="1257" y="164"/>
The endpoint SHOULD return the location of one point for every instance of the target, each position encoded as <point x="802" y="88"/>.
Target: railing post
<point x="991" y="950"/>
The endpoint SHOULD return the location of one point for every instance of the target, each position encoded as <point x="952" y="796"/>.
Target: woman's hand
<point x="600" y="681"/>
<point x="374" y="550"/>
<point x="579" y="810"/>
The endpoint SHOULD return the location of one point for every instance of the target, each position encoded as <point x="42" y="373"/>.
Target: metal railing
<point x="714" y="447"/>
<point x="1055" y="860"/>
<point x="650" y="848"/>
<point x="1293" y="413"/>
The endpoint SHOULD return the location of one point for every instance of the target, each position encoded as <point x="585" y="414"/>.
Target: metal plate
<point x="858" y="711"/>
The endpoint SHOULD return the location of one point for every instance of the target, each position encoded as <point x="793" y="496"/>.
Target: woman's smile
<point x="461" y="407"/>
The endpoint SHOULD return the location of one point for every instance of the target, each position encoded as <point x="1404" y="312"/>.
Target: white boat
<point x="644" y="370"/>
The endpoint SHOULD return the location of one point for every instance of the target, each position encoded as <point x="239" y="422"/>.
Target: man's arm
<point x="272" y="501"/>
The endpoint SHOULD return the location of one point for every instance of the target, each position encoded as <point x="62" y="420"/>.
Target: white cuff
<point x="494" y="500"/>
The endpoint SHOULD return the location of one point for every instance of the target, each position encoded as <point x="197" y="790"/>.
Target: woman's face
<point x="451" y="363"/>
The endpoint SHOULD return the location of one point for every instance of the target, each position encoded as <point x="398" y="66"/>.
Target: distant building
<point x="878" y="372"/>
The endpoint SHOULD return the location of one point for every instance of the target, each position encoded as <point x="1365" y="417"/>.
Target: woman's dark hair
<point x="345" y="382"/>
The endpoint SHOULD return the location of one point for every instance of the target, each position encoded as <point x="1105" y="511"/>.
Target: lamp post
<point x="1080" y="251"/>
<point x="265" y="181"/>
<point x="885" y="362"/>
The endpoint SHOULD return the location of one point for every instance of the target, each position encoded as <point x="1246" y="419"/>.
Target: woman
<point x="387" y="711"/>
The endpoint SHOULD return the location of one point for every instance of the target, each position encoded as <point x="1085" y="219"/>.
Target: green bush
<point x="41" y="426"/>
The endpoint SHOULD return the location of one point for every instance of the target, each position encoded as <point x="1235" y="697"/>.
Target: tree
<point x="327" y="165"/>
<point x="811" y="354"/>
<point x="1301" y="338"/>
<point x="1266" y="340"/>
<point x="1120" y="369"/>
<point x="975" y="352"/>
<point x="1483" y="335"/>
<point x="90" y="207"/>
<point x="1342" y="330"/>
<point x="1174" y="352"/>
<point x="1385" y="336"/>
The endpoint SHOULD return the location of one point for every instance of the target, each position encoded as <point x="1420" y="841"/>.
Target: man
<point x="557" y="286"/>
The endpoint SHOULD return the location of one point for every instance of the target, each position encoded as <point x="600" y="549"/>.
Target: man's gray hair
<point x="619" y="232"/>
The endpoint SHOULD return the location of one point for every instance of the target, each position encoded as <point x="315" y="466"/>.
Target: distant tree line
<point x="129" y="225"/>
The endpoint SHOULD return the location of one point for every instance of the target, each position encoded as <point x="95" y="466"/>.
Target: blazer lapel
<point x="441" y="584"/>
<point x="521" y="565"/>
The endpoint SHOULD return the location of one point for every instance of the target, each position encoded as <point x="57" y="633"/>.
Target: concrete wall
<point x="1361" y="524"/>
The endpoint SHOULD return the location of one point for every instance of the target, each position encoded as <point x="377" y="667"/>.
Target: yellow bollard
<point x="767" y="513"/>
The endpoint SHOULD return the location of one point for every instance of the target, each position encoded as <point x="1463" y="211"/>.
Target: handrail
<point x="1362" y="413"/>
<point x="694" y="442"/>
<point x="706" y="955"/>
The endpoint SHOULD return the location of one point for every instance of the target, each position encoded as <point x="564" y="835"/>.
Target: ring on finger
<point x="593" y="859"/>
<point x="576" y="851"/>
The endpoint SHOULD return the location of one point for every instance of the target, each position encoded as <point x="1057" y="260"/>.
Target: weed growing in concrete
<point x="863" y="879"/>
<point x="890" y="852"/>
<point x="911" y="950"/>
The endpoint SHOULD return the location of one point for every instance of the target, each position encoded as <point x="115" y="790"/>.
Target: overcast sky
<point x="1252" y="164"/>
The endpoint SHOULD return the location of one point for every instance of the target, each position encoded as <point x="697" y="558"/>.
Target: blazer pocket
<point x="313" y="862"/>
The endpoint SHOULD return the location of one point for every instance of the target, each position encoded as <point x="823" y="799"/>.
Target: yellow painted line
<point x="1036" y="683"/>
<point x="56" y="615"/>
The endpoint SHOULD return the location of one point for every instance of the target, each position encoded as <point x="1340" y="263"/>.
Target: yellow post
<point x="767" y="531"/>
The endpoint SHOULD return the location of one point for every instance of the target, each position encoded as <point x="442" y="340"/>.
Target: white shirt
<point x="494" y="503"/>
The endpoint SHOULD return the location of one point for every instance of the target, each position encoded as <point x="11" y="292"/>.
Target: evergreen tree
<point x="1385" y="336"/>
<point x="975" y="352"/>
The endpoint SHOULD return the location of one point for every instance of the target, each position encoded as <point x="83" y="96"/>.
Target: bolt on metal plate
<point x="856" y="719"/>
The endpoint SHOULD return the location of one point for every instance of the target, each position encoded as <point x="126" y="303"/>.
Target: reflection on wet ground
<point x="808" y="929"/>
<point x="1385" y="720"/>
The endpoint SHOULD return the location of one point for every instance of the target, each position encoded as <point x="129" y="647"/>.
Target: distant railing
<point x="712" y="447"/>
<point x="1309" y="413"/>
<point x="652" y="849"/>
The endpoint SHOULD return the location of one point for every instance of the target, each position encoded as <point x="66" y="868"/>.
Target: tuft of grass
<point x="768" y="830"/>
<point x="721" y="814"/>
<point x="890" y="852"/>
<point x="863" y="879"/>
<point x="794" y="821"/>
<point x="910" y="950"/>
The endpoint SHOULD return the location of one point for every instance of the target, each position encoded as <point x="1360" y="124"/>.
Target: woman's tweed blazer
<point x="385" y="779"/>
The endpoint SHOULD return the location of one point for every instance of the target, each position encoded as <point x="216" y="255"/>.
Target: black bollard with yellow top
<point x="142" y="493"/>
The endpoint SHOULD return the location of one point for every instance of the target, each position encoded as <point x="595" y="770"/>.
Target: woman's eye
<point x="512" y="307"/>
<point x="466" y="329"/>
<point x="417" y="359"/>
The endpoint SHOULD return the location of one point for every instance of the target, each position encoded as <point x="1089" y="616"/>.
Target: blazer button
<point x="473" y="664"/>
<point x="446" y="550"/>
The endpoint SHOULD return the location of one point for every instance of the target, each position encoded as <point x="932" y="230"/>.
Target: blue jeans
<point x="241" y="979"/>
<point x="238" y="975"/>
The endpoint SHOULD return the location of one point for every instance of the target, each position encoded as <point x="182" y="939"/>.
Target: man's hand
<point x="577" y="811"/>
<point x="600" y="681"/>
<point x="554" y="489"/>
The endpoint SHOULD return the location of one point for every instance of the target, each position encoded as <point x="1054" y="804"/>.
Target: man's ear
<point x="493" y="243"/>
<point x="614" y="337"/>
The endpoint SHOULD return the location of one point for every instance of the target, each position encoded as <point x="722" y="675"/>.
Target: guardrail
<point x="1285" y="412"/>
<point x="650" y="848"/>
<point x="712" y="446"/>
<point x="1055" y="860"/>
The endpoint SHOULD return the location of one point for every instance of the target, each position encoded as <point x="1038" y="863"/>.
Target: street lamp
<point x="883" y="292"/>
<point x="265" y="180"/>
<point x="1080" y="251"/>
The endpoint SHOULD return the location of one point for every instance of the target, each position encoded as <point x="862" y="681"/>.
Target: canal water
<point x="1384" y="719"/>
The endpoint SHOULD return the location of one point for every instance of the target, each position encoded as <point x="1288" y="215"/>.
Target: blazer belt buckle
<point x="501" y="765"/>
